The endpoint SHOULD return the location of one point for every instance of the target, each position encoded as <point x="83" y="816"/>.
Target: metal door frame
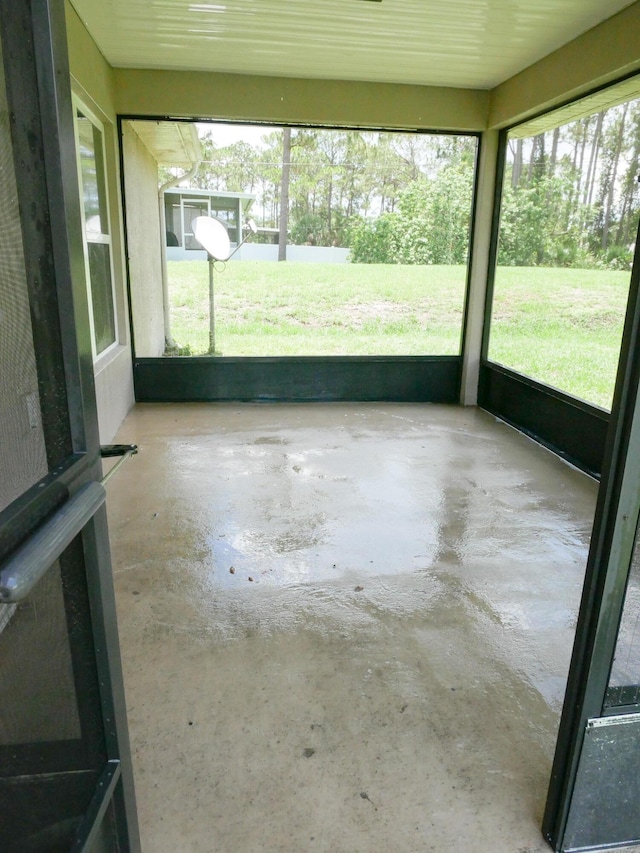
<point x="612" y="543"/>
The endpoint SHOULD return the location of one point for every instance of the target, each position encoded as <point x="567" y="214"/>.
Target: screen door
<point x="65" y="776"/>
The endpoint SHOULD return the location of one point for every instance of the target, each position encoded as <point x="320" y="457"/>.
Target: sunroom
<point x="363" y="598"/>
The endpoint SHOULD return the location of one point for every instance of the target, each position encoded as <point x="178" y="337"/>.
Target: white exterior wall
<point x="114" y="393"/>
<point x="92" y="83"/>
<point x="144" y="244"/>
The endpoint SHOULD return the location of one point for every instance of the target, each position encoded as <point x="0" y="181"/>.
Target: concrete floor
<point x="344" y="628"/>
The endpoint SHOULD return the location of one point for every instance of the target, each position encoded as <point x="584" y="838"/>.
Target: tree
<point x="516" y="172"/>
<point x="430" y="224"/>
<point x="628" y="224"/>
<point x="617" y="137"/>
<point x="284" y="195"/>
<point x="590" y="181"/>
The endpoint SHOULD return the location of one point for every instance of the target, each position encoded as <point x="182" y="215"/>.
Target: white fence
<point x="263" y="252"/>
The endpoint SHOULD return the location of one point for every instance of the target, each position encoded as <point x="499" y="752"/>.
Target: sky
<point x="227" y="134"/>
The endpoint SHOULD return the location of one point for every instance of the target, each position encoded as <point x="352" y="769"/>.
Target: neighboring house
<point x="182" y="206"/>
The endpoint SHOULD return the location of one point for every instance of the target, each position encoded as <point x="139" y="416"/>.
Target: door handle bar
<point x="124" y="451"/>
<point x="22" y="571"/>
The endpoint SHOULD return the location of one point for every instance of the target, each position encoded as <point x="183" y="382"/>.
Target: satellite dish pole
<point x="213" y="237"/>
<point x="212" y="317"/>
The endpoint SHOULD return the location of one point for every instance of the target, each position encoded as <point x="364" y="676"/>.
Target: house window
<point x="96" y="230"/>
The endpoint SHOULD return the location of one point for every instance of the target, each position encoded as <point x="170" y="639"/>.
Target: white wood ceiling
<point x="463" y="43"/>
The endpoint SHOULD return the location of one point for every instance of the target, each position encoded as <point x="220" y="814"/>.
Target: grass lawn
<point x="559" y="326"/>
<point x="266" y="308"/>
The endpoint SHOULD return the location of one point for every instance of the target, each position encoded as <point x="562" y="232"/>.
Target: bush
<point x="374" y="241"/>
<point x="431" y="225"/>
<point x="619" y="258"/>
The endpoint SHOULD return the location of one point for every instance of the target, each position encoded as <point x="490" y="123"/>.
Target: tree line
<point x="354" y="189"/>
<point x="570" y="195"/>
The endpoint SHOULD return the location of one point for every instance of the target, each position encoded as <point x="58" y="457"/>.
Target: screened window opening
<point x="97" y="238"/>
<point x="569" y="216"/>
<point x="359" y="244"/>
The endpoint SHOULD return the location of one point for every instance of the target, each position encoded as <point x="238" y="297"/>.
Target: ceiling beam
<point x="239" y="97"/>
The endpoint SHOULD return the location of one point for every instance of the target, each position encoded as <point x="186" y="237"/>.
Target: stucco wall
<point x="93" y="82"/>
<point x="114" y="394"/>
<point x="144" y="244"/>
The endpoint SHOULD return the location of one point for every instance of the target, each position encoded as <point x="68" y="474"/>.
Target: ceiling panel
<point x="170" y="142"/>
<point x="464" y="43"/>
<point x="602" y="100"/>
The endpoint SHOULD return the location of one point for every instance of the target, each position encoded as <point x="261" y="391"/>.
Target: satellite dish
<point x="212" y="236"/>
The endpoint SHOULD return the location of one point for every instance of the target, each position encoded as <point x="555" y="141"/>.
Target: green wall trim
<point x="570" y="427"/>
<point x="433" y="379"/>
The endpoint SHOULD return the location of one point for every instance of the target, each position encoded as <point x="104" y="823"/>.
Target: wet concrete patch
<point x="405" y="635"/>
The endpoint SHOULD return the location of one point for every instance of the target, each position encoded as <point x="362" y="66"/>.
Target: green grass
<point x="264" y="308"/>
<point x="560" y="326"/>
